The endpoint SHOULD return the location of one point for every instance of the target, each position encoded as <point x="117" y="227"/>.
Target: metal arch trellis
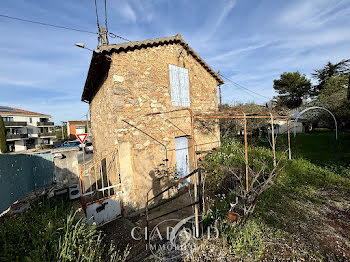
<point x="316" y="107"/>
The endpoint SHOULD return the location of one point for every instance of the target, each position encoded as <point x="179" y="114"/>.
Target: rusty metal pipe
<point x="273" y="140"/>
<point x="288" y="134"/>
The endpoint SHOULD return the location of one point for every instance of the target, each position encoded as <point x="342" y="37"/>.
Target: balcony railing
<point x="47" y="134"/>
<point x="14" y="123"/>
<point x="16" y="136"/>
<point x="44" y="123"/>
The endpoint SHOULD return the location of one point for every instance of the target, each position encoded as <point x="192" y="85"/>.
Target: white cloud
<point x="209" y="30"/>
<point x="128" y="12"/>
<point x="134" y="11"/>
<point x="311" y="14"/>
<point x="37" y="73"/>
<point x="235" y="52"/>
<point x="17" y="82"/>
<point x="225" y="12"/>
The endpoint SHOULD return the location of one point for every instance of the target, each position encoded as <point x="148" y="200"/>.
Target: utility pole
<point x="87" y="125"/>
<point x="102" y="38"/>
<point x="220" y="101"/>
<point x="62" y="130"/>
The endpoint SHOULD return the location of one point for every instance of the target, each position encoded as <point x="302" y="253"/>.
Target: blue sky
<point x="251" y="42"/>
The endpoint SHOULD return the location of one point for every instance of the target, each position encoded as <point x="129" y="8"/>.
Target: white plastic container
<point x="74" y="191"/>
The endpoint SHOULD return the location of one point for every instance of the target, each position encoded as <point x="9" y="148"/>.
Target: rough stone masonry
<point x="137" y="83"/>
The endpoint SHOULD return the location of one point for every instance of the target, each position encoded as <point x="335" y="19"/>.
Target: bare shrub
<point x="230" y="182"/>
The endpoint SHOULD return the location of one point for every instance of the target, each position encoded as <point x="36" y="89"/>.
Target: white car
<point x="88" y="148"/>
<point x="81" y="146"/>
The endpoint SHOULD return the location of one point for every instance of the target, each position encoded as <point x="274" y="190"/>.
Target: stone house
<point x="125" y="83"/>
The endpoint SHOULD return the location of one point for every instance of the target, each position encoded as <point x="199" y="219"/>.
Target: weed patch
<point x="295" y="206"/>
<point x="51" y="232"/>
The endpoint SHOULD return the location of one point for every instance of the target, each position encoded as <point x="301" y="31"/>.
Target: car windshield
<point x="89" y="144"/>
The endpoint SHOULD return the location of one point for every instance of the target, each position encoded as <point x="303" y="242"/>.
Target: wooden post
<point x="246" y="155"/>
<point x="220" y="100"/>
<point x="273" y="141"/>
<point x="289" y="149"/>
<point x="196" y="213"/>
<point x="200" y="191"/>
<point x="251" y="143"/>
<point x="147" y="224"/>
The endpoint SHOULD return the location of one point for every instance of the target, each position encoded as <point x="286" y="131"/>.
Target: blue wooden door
<point x="182" y="160"/>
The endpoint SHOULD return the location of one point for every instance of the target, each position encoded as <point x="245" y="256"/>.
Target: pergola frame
<point x="231" y="114"/>
<point x="239" y="114"/>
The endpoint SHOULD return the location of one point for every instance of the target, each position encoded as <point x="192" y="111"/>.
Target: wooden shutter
<point x="182" y="157"/>
<point x="179" y="85"/>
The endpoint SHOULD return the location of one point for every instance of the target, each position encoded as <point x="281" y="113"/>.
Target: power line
<point x="118" y="36"/>
<point x="242" y="87"/>
<point x="62" y="27"/>
<point x="106" y="16"/>
<point x="98" y="24"/>
<point x="256" y="97"/>
<point x="46" y="24"/>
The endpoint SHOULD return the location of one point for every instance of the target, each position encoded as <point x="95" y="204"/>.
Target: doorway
<point x="182" y="157"/>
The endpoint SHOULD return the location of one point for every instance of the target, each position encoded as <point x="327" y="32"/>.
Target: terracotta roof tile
<point x="6" y="110"/>
<point x="73" y="122"/>
<point x="99" y="64"/>
<point x="160" y="41"/>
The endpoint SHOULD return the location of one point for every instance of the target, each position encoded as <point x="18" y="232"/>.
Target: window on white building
<point x="179" y="85"/>
<point x="8" y="119"/>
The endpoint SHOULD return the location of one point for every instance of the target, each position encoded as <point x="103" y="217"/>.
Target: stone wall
<point x="66" y="172"/>
<point x="137" y="84"/>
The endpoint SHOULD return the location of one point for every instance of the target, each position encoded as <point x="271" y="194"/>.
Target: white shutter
<point x="179" y="85"/>
<point x="182" y="157"/>
<point x="174" y="86"/>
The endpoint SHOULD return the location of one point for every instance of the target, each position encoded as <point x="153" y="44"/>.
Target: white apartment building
<point x="26" y="129"/>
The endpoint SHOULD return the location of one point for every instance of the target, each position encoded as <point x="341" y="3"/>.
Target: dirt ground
<point x="119" y="231"/>
<point x="323" y="234"/>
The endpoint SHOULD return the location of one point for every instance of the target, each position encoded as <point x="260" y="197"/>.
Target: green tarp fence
<point x="20" y="174"/>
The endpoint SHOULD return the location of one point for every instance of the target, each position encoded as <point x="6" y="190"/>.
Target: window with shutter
<point x="179" y="85"/>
